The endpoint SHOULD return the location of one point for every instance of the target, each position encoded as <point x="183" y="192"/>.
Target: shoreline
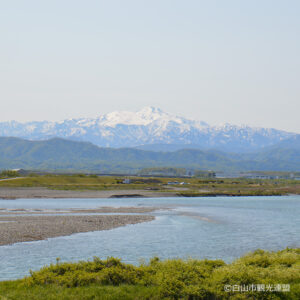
<point x="27" y="228"/>
<point x="8" y="193"/>
<point x="73" y="211"/>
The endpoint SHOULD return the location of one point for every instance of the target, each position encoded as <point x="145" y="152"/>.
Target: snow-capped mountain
<point x="149" y="126"/>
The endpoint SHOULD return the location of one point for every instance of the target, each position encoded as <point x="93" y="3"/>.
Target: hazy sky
<point x="217" y="61"/>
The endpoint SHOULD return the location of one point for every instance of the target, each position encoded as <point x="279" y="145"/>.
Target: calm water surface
<point x="218" y="227"/>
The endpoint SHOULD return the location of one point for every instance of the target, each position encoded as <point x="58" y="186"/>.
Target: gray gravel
<point x="31" y="228"/>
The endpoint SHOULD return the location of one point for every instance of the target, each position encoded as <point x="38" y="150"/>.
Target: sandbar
<point x="22" y="228"/>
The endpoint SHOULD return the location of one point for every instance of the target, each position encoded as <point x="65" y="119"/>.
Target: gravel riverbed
<point x="23" y="228"/>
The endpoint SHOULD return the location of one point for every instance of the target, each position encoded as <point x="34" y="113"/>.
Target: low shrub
<point x="184" y="279"/>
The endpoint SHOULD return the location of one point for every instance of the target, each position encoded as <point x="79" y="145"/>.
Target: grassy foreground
<point x="169" y="279"/>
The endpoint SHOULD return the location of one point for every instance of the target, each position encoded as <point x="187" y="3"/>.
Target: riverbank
<point x="25" y="228"/>
<point x="38" y="192"/>
<point x="101" y="210"/>
<point x="83" y="186"/>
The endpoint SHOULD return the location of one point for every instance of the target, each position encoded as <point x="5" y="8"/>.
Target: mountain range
<point x="67" y="155"/>
<point x="150" y="129"/>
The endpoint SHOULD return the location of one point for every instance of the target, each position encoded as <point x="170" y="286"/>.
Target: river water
<point x="207" y="227"/>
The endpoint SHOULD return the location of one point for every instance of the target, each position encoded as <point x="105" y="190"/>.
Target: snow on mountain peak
<point x="149" y="125"/>
<point x="120" y="117"/>
<point x="144" y="117"/>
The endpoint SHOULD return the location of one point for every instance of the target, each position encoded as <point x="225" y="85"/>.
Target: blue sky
<point x="217" y="61"/>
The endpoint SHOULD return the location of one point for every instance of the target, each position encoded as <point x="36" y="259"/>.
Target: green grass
<point x="196" y="186"/>
<point x="169" y="279"/>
